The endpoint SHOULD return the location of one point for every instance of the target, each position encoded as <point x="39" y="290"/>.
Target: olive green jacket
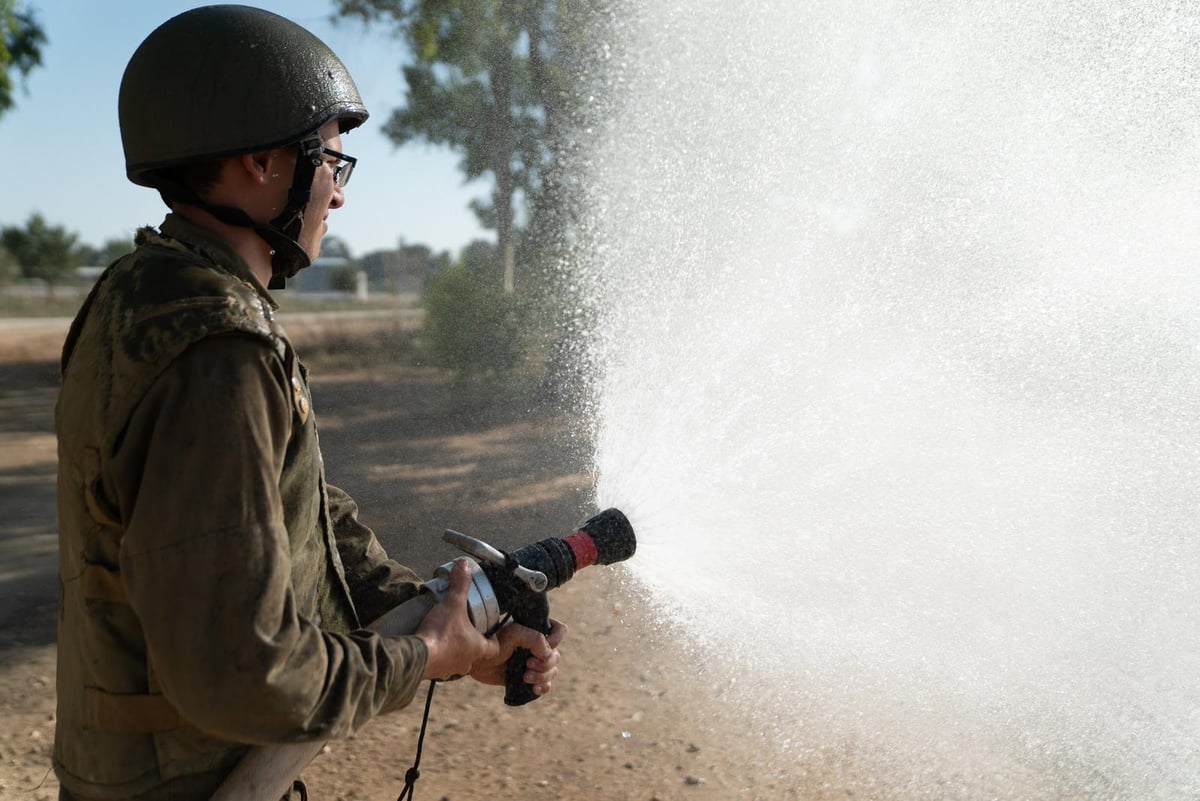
<point x="212" y="585"/>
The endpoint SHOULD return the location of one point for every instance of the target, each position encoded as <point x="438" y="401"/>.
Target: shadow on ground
<point x="28" y="589"/>
<point x="419" y="451"/>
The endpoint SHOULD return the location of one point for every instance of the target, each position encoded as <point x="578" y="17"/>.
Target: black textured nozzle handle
<point x="603" y="539"/>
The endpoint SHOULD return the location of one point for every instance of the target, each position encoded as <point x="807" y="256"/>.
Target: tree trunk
<point x="502" y="153"/>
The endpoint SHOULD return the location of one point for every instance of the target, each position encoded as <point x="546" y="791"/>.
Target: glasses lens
<point x="341" y="173"/>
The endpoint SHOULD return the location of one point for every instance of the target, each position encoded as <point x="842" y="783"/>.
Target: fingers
<point x="540" y="673"/>
<point x="516" y="636"/>
<point x="541" y="668"/>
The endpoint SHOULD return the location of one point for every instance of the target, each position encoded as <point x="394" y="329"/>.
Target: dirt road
<point x="629" y="719"/>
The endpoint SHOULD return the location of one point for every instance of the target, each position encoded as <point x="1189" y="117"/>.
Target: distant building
<point x="318" y="277"/>
<point x="397" y="272"/>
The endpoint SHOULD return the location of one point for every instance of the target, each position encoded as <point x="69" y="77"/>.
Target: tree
<point x="113" y="249"/>
<point x="21" y="40"/>
<point x="344" y="278"/>
<point x="109" y="252"/>
<point x="8" y="266"/>
<point x="478" y="257"/>
<point x="335" y="247"/>
<point x="495" y="80"/>
<point x="470" y="325"/>
<point x="44" y="252"/>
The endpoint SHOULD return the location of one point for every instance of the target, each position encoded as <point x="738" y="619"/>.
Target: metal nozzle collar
<point x="482" y="605"/>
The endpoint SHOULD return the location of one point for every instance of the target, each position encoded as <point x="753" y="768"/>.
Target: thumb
<point x="460" y="584"/>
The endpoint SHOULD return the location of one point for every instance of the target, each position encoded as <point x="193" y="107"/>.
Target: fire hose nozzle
<point x="516" y="583"/>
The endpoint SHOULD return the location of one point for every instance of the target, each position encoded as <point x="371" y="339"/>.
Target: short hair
<point x="197" y="178"/>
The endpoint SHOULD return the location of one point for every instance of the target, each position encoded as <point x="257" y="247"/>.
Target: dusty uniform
<point x="211" y="584"/>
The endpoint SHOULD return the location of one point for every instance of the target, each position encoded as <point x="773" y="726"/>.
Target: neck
<point x="244" y="241"/>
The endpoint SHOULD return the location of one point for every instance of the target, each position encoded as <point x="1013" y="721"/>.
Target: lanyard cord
<point x="411" y="776"/>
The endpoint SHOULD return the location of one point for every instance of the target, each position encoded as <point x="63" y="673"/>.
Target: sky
<point x="63" y="139"/>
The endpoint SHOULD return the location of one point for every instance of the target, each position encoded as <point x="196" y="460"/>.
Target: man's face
<point x="326" y="195"/>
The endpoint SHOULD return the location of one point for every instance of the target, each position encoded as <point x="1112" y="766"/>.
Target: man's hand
<point x="453" y="643"/>
<point x="457" y="649"/>
<point x="540" y="668"/>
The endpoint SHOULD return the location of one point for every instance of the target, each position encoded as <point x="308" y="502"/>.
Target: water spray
<point x="504" y="586"/>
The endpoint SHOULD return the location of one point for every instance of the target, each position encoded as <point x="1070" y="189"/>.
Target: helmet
<point x="224" y="80"/>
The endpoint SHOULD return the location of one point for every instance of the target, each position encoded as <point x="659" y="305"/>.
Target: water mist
<point x="901" y="382"/>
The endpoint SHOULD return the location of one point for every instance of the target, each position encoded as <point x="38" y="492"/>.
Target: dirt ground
<point x="628" y="719"/>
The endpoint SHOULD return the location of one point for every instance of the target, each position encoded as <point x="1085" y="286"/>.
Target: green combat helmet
<point x="220" y="81"/>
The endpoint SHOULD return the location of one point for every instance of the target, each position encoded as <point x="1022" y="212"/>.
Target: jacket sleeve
<point x="376" y="582"/>
<point x="206" y="561"/>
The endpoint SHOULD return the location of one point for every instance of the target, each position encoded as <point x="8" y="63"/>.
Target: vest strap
<point x="93" y="493"/>
<point x="128" y="713"/>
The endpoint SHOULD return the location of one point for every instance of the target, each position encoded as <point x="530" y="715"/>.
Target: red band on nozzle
<point x="583" y="547"/>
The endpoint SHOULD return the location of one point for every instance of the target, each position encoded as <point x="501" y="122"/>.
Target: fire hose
<point x="502" y="584"/>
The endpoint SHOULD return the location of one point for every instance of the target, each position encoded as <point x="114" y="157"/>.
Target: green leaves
<point x="43" y="251"/>
<point x="21" y="40"/>
<point x="470" y="324"/>
<point x="485" y="80"/>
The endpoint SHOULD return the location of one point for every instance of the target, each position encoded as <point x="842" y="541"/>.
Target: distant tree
<point x="111" y="250"/>
<point x="438" y="262"/>
<point x="8" y="267"/>
<point x="87" y="255"/>
<point x="497" y="81"/>
<point x="480" y="259"/>
<point x="46" y="252"/>
<point x="470" y="325"/>
<point x="333" y="246"/>
<point x="105" y="255"/>
<point x="21" y="40"/>
<point x="344" y="278"/>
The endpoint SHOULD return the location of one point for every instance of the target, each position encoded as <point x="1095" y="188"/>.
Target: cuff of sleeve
<point x="410" y="655"/>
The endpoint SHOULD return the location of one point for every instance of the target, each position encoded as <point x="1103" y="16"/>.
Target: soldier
<point x="213" y="586"/>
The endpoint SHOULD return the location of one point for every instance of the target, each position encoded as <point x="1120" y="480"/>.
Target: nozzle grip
<point x="532" y="612"/>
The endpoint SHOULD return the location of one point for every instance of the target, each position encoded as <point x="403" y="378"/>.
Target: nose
<point x="339" y="197"/>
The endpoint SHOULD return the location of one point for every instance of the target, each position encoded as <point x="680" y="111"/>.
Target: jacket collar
<point x="215" y="249"/>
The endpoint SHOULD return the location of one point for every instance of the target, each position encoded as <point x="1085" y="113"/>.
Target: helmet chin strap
<point x="288" y="256"/>
<point x="282" y="234"/>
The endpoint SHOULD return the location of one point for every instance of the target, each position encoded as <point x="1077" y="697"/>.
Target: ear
<point x="260" y="167"/>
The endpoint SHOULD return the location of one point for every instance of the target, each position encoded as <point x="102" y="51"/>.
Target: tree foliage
<point x="498" y="81"/>
<point x="344" y="278"/>
<point x="21" y="41"/>
<point x="106" y="254"/>
<point x="335" y="247"/>
<point x="8" y="266"/>
<point x="113" y="249"/>
<point x="45" y="252"/>
<point x="470" y="324"/>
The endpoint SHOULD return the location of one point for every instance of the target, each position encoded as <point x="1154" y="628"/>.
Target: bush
<point x="344" y="278"/>
<point x="470" y="324"/>
<point x="9" y="269"/>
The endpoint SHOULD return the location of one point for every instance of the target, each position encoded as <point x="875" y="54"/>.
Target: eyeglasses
<point x="342" y="168"/>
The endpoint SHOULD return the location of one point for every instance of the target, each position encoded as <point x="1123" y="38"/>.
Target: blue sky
<point x="64" y="146"/>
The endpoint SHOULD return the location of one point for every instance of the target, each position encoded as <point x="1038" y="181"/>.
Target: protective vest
<point x="116" y="734"/>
